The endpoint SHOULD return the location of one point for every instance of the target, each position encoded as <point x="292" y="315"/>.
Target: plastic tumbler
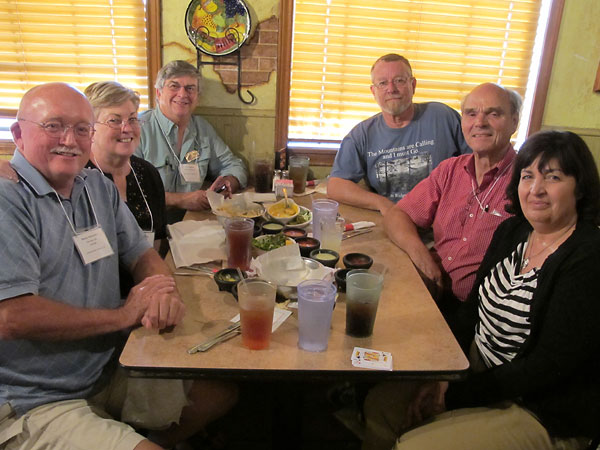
<point x="298" y="171"/>
<point x="256" y="298"/>
<point x="331" y="233"/>
<point x="238" y="232"/>
<point x="263" y="175"/>
<point x="363" y="289"/>
<point x="315" y="306"/>
<point x="323" y="209"/>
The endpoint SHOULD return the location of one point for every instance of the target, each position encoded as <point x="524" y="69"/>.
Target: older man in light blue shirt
<point x="63" y="232"/>
<point x="185" y="148"/>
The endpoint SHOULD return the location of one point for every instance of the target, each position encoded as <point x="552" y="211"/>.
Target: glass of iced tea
<point x="363" y="288"/>
<point x="256" y="298"/>
<point x="238" y="232"/>
<point x="298" y="167"/>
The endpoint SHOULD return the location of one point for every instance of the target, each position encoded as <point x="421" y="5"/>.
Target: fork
<point x="227" y="333"/>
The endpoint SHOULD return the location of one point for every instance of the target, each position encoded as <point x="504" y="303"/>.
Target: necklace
<point x="527" y="258"/>
<point x="486" y="208"/>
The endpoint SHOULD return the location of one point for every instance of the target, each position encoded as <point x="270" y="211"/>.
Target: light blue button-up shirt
<point x="39" y="257"/>
<point x="158" y="145"/>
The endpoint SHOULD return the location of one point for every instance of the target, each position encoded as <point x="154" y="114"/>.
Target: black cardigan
<point x="556" y="374"/>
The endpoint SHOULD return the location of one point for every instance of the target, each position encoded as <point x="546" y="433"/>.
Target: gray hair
<point x="177" y="68"/>
<point x="391" y="57"/>
<point x="514" y="99"/>
<point x="105" y="94"/>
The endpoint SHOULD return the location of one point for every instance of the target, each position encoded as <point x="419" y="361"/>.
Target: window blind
<point x="453" y="45"/>
<point x="77" y="42"/>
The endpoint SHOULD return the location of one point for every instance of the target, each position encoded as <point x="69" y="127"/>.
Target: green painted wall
<point x="571" y="103"/>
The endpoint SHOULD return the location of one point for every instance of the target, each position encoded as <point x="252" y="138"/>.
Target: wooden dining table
<point x="408" y="325"/>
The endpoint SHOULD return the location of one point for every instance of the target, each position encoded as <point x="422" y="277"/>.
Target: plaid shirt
<point x="463" y="215"/>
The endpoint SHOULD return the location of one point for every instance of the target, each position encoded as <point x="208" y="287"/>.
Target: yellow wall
<point x="571" y="103"/>
<point x="248" y="130"/>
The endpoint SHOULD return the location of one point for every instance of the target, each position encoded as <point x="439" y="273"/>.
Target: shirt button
<point x="471" y="215"/>
<point x="464" y="239"/>
<point x="449" y="258"/>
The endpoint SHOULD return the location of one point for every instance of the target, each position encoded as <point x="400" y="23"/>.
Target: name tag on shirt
<point x="149" y="237"/>
<point x="190" y="173"/>
<point x="92" y="245"/>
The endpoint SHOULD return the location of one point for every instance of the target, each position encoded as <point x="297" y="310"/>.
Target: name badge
<point x="190" y="173"/>
<point x="92" y="245"/>
<point x="149" y="237"/>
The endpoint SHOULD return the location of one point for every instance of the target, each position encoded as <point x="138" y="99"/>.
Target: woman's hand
<point x="7" y="172"/>
<point x="429" y="400"/>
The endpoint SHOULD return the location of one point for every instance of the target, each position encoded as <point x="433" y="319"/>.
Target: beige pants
<point x="505" y="426"/>
<point x="86" y="424"/>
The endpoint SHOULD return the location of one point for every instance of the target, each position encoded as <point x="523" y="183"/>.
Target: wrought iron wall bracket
<point x="237" y="63"/>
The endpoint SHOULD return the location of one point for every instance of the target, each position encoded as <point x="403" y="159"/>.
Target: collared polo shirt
<point x="40" y="258"/>
<point x="201" y="145"/>
<point x="463" y="214"/>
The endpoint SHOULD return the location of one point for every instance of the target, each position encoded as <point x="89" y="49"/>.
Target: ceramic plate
<point x="217" y="27"/>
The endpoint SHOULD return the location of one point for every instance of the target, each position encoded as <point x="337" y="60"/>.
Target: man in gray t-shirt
<point x="395" y="149"/>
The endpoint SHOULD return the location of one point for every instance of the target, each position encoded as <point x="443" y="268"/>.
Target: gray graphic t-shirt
<point x="393" y="160"/>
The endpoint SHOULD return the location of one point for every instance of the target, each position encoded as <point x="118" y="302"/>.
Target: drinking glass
<point x="256" y="298"/>
<point x="323" y="209"/>
<point x="298" y="171"/>
<point x="315" y="305"/>
<point x="238" y="232"/>
<point x="363" y="288"/>
<point x="263" y="175"/>
<point x="331" y="233"/>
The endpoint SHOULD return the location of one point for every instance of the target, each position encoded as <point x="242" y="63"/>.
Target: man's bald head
<point x="53" y="131"/>
<point x="50" y="95"/>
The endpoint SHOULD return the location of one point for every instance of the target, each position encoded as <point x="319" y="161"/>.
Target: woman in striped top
<point x="531" y="325"/>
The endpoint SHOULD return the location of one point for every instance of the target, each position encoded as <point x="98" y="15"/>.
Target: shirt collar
<point x="503" y="165"/>
<point x="35" y="180"/>
<point x="163" y="121"/>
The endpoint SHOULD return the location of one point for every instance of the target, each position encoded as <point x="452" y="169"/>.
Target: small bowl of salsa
<point x="327" y="257"/>
<point x="294" y="232"/>
<point x="357" y="261"/>
<point x="307" y="245"/>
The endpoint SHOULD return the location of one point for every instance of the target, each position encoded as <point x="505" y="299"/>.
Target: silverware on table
<point x="229" y="332"/>
<point x="353" y="233"/>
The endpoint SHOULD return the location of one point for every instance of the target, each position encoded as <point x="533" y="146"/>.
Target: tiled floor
<point x="285" y="416"/>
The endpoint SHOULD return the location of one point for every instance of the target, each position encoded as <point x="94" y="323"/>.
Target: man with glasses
<point x="63" y="233"/>
<point x="184" y="147"/>
<point x="462" y="200"/>
<point x="395" y="149"/>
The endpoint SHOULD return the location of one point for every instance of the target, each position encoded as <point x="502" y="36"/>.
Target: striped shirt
<point x="463" y="214"/>
<point x="504" y="309"/>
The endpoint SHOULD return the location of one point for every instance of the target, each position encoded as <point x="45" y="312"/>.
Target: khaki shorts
<point x="81" y="424"/>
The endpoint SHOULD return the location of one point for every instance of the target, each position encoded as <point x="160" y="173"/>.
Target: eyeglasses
<point x="57" y="129"/>
<point x="189" y="88"/>
<point x="397" y="82"/>
<point x="117" y="124"/>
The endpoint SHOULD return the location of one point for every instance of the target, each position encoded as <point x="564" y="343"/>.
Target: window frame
<point x="325" y="157"/>
<point x="153" y="63"/>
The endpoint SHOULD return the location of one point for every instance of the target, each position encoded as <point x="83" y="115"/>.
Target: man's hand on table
<point x="197" y="200"/>
<point x="155" y="303"/>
